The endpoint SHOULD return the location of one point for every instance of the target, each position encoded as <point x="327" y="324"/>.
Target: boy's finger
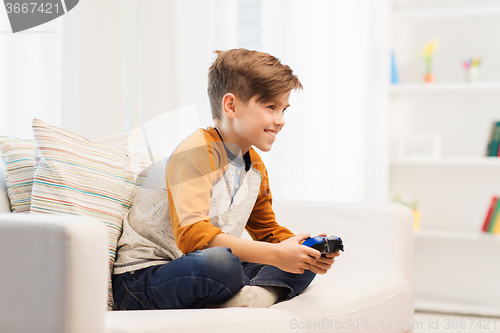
<point x="304" y="236"/>
<point x="313" y="253"/>
<point x="317" y="270"/>
<point x="323" y="266"/>
<point x="333" y="254"/>
<point x="326" y="260"/>
<point x="308" y="261"/>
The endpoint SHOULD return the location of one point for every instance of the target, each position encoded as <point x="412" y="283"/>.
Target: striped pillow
<point x="18" y="158"/>
<point x="83" y="177"/>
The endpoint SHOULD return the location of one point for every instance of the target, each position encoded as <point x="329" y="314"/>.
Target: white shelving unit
<point x="457" y="266"/>
<point x="448" y="13"/>
<point x="439" y="87"/>
<point x="447" y="161"/>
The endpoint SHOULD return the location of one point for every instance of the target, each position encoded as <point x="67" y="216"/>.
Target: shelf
<point x="462" y="308"/>
<point x="451" y="87"/>
<point x="457" y="235"/>
<point x="447" y="13"/>
<point x="446" y="161"/>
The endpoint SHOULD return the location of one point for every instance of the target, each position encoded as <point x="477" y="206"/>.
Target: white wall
<point x="334" y="146"/>
<point x="135" y="60"/>
<point x="30" y="71"/>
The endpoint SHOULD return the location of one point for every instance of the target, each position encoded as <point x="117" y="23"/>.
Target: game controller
<point x="325" y="244"/>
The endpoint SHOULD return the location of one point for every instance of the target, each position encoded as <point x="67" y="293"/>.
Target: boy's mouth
<point x="271" y="132"/>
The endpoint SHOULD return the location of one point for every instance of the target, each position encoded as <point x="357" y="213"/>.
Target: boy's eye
<point x="274" y="107"/>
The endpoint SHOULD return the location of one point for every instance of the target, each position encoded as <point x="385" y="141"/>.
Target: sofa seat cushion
<point x="354" y="303"/>
<point x="239" y="320"/>
<point x="344" y="303"/>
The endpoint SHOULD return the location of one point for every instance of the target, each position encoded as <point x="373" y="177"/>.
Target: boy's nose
<point x="280" y="121"/>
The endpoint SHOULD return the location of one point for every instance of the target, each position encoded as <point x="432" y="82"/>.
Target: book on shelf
<point x="489" y="214"/>
<point x="492" y="220"/>
<point x="495" y="228"/>
<point x="493" y="146"/>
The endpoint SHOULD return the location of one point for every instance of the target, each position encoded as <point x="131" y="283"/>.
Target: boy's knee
<point x="219" y="264"/>
<point x="221" y="259"/>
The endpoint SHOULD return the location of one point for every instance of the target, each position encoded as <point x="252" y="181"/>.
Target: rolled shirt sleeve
<point x="262" y="223"/>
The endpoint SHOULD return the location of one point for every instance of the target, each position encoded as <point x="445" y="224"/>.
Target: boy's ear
<point x="228" y="107"/>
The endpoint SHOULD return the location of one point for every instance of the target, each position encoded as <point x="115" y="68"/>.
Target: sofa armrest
<point x="53" y="274"/>
<point x="376" y="237"/>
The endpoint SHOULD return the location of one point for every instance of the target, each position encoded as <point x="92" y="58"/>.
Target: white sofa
<point x="53" y="277"/>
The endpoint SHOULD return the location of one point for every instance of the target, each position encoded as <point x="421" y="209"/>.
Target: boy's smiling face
<point x="256" y="123"/>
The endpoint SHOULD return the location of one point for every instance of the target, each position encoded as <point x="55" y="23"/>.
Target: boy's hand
<point x="294" y="257"/>
<point x="323" y="264"/>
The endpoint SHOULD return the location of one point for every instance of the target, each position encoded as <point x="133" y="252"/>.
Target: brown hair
<point x="246" y="74"/>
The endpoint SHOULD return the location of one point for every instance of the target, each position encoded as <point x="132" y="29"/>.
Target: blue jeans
<point x="210" y="276"/>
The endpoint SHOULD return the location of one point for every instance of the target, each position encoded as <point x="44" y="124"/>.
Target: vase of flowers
<point x="471" y="68"/>
<point x="427" y="52"/>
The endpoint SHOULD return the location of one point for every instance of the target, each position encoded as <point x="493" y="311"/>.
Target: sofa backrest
<point x="4" y="199"/>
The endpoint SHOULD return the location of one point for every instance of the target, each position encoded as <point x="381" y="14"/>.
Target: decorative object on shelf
<point x="413" y="205"/>
<point x="471" y="68"/>
<point x="394" y="70"/>
<point x="420" y="145"/>
<point x="492" y="149"/>
<point x="416" y="219"/>
<point x="427" y="52"/>
<point x="492" y="221"/>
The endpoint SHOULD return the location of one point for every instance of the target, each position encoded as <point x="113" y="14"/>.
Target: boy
<point x="181" y="245"/>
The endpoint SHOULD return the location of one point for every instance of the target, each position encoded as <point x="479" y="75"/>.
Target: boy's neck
<point x="230" y="140"/>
